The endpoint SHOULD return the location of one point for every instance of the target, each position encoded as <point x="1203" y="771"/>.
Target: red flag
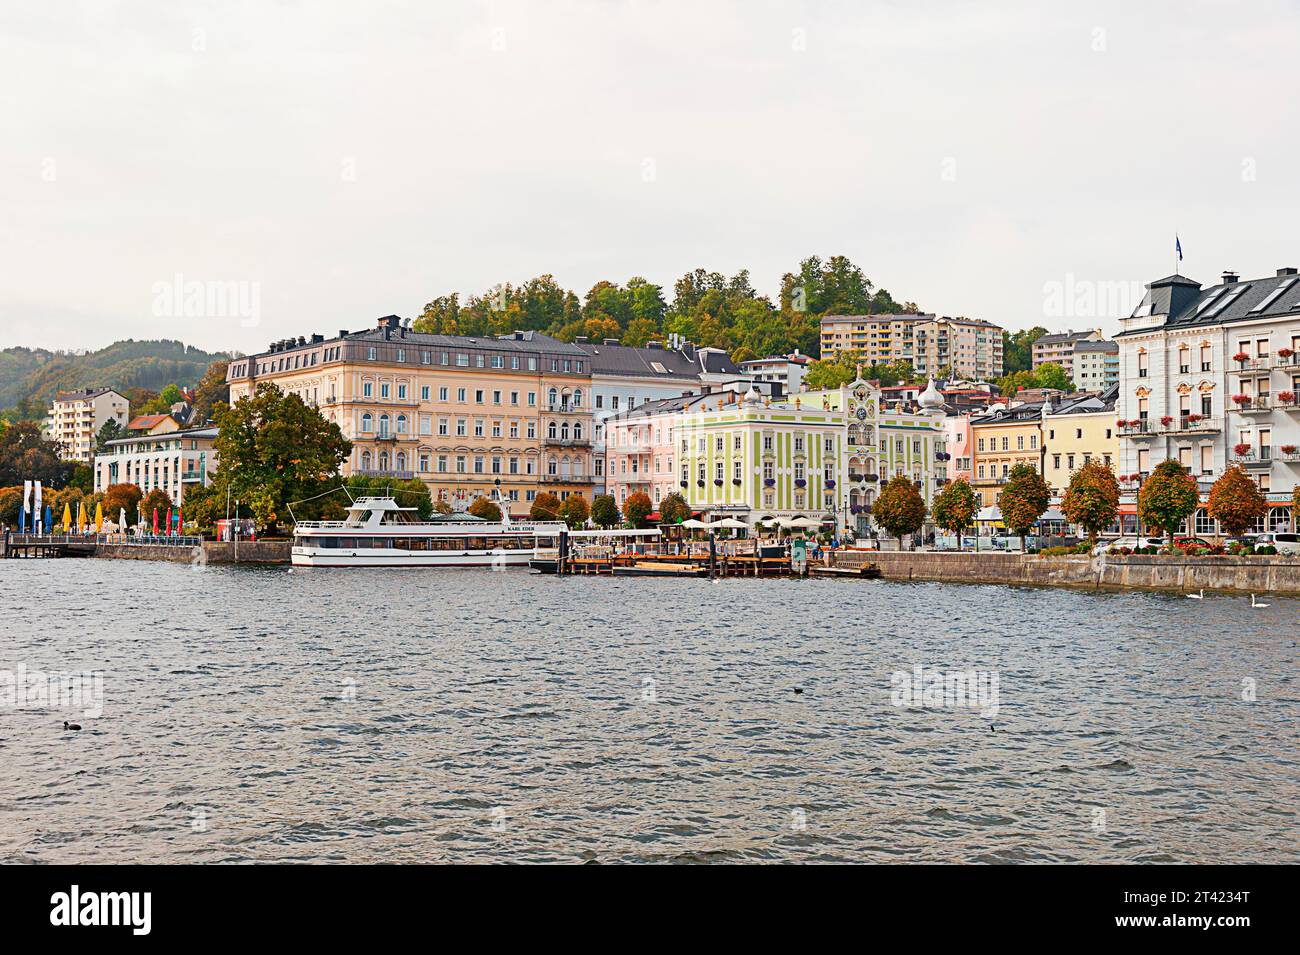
<point x="155" y="522"/>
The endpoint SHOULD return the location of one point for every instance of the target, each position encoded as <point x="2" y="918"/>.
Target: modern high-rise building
<point x="76" y="417"/>
<point x="1059" y="347"/>
<point x="936" y="346"/>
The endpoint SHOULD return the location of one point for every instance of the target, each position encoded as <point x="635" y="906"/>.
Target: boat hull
<point x="376" y="557"/>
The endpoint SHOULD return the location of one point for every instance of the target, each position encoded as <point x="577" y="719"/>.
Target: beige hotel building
<point x="464" y="415"/>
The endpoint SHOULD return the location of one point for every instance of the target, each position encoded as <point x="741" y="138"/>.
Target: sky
<point x="296" y="167"/>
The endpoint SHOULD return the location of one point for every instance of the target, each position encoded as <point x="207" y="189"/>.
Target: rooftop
<point x="84" y="394"/>
<point x="655" y="360"/>
<point x="1064" y="338"/>
<point x="1185" y="304"/>
<point x="1108" y="347"/>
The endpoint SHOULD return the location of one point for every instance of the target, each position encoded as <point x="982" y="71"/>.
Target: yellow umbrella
<point x="81" y="517"/>
<point x="67" y="517"/>
<point x="99" y="517"/>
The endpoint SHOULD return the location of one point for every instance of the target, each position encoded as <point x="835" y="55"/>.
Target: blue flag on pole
<point x="1178" y="247"/>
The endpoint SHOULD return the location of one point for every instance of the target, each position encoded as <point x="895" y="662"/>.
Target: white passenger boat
<point x="379" y="533"/>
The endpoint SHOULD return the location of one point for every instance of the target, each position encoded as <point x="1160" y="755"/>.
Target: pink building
<point x="639" y="450"/>
<point x="958" y="444"/>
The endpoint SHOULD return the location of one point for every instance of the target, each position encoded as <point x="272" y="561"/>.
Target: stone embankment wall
<point x="1279" y="575"/>
<point x="214" y="552"/>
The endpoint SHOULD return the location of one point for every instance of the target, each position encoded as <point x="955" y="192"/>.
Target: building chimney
<point x="1286" y="271"/>
<point x="580" y="340"/>
<point x="1230" y="278"/>
<point x="343" y="333"/>
<point x="611" y="341"/>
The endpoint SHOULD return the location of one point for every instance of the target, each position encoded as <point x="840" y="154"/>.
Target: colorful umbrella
<point x="67" y="517"/>
<point x="180" y="520"/>
<point x="121" y="520"/>
<point x="81" y="517"/>
<point x="99" y="517"/>
<point x="169" y="522"/>
<point x="155" y="522"/>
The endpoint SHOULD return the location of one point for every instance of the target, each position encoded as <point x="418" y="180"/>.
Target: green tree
<point x="82" y="477"/>
<point x="482" y="508"/>
<point x="276" y="450"/>
<point x="546" y="507"/>
<point x="900" y="508"/>
<point x="1017" y="349"/>
<point x="1168" y="497"/>
<point x="673" y="509"/>
<point x="1009" y="384"/>
<point x="156" y="500"/>
<point x="604" y="511"/>
<point x="11" y="506"/>
<point x="637" y="508"/>
<point x="1092" y="499"/>
<point x="1024" y="500"/>
<point x="955" y="508"/>
<point x="25" y="455"/>
<point x="1236" y="501"/>
<point x="574" y="511"/>
<point x="111" y="430"/>
<point x="1050" y="374"/>
<point x="828" y="373"/>
<point x="212" y="392"/>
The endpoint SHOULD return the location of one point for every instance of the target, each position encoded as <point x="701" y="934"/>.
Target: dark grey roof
<point x="517" y="342"/>
<point x="1061" y="338"/>
<point x="657" y="406"/>
<point x="1109" y="347"/>
<point x="1187" y="305"/>
<point x="1029" y="411"/>
<point x="84" y="394"/>
<point x="1088" y="402"/>
<point x="688" y="363"/>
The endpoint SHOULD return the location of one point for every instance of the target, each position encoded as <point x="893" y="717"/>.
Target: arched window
<point x="365" y="460"/>
<point x="577" y="467"/>
<point x="383" y="425"/>
<point x="564" y="467"/>
<point x="1279" y="519"/>
<point x="550" y="430"/>
<point x="367" y="422"/>
<point x="383" y="460"/>
<point x="577" y="398"/>
<point x="553" y="397"/>
<point x="401" y="460"/>
<point x="564" y="431"/>
<point x="401" y="424"/>
<point x="577" y="430"/>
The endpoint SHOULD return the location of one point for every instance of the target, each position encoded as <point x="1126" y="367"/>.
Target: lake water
<point x="357" y="716"/>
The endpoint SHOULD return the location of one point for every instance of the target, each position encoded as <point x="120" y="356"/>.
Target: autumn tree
<point x="674" y="509"/>
<point x="1236" y="501"/>
<point x="955" y="507"/>
<point x="484" y="509"/>
<point x="604" y="511"/>
<point x="637" y="508"/>
<point x="1168" y="497"/>
<point x="211" y="392"/>
<point x="1092" y="499"/>
<point x="900" y="508"/>
<point x="25" y="455"/>
<point x="545" y="507"/>
<point x="1024" y="500"/>
<point x="574" y="511"/>
<point x="156" y="500"/>
<point x="119" y="497"/>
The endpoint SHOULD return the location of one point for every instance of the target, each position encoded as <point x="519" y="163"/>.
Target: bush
<point x="1267" y="550"/>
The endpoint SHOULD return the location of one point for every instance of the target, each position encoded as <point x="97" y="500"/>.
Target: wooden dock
<point x="679" y="565"/>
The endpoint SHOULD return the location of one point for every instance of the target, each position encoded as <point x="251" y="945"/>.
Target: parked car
<point x="1192" y="542"/>
<point x="1286" y="542"/>
<point x="1130" y="542"/>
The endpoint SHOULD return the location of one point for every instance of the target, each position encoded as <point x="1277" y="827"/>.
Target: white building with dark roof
<point x="1095" y="365"/>
<point x="1210" y="377"/>
<point x="76" y="416"/>
<point x="624" y="377"/>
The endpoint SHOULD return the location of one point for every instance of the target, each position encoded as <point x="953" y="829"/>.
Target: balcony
<point x="1258" y="363"/>
<point x="1291" y="456"/>
<point x="1254" y="404"/>
<point x="569" y="479"/>
<point x="191" y="476"/>
<point x="375" y="473"/>
<point x="1185" y="425"/>
<point x="1255" y="458"/>
<point x="563" y="408"/>
<point x="576" y="443"/>
<point x="1287" y="401"/>
<point x="1137" y="428"/>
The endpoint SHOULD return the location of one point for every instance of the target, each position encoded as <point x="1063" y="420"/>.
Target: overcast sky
<point x="349" y="160"/>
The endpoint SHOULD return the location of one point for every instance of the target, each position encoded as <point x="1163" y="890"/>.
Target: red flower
<point x="1166" y="420"/>
<point x="1286" y="396"/>
<point x="1241" y="449"/>
<point x="1241" y="399"/>
<point x="1241" y="356"/>
<point x="1284" y="353"/>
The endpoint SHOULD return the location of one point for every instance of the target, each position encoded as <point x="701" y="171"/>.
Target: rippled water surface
<point x="356" y="716"/>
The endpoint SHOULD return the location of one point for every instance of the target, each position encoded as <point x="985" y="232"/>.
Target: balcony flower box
<point x="1241" y="399"/>
<point x="1288" y="449"/>
<point x="717" y="482"/>
<point x="1241" y="449"/>
<point x="871" y="478"/>
<point x="1286" y="397"/>
<point x="769" y="482"/>
<point x="1122" y="423"/>
<point x="1284" y="353"/>
<point x="685" y="483"/>
<point x="1194" y="418"/>
<point x="830" y="483"/>
<point x="800" y="482"/>
<point x="737" y="482"/>
<point x="1166" y="420"/>
<point x="700" y="483"/>
<point x="1241" y="357"/>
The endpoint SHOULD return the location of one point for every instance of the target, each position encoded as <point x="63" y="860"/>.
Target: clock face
<point x="861" y="414"/>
